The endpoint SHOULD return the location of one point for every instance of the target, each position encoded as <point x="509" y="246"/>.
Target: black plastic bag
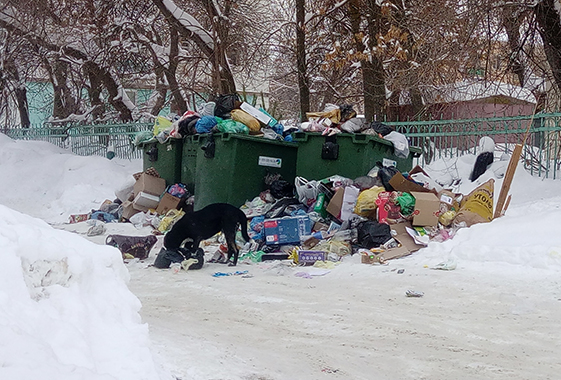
<point x="225" y="104"/>
<point x="168" y="256"/>
<point x="385" y="174"/>
<point x="186" y="127"/>
<point x="372" y="234"/>
<point x="380" y="128"/>
<point x="282" y="189"/>
<point x="481" y="164"/>
<point x="347" y="112"/>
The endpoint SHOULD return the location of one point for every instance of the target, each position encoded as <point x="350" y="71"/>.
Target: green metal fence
<point x="437" y="138"/>
<point x="453" y="138"/>
<point x="87" y="140"/>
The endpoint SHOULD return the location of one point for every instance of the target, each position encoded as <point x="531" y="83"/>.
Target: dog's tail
<point x="243" y="225"/>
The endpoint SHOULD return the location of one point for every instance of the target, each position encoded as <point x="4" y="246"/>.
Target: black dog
<point x="205" y="223"/>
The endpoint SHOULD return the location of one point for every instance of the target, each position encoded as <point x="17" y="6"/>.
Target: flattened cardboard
<point x="400" y="183"/>
<point x="168" y="202"/>
<point x="149" y="184"/>
<point x="408" y="246"/>
<point x="427" y="209"/>
<point x="335" y="204"/>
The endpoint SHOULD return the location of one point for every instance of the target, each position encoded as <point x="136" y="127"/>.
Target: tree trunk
<point x="549" y="26"/>
<point x="94" y="90"/>
<point x="101" y="75"/>
<point x="63" y="103"/>
<point x="511" y="22"/>
<point x="303" y="85"/>
<point x="410" y="74"/>
<point x="223" y="79"/>
<point x="20" y="94"/>
<point x="373" y="81"/>
<point x="178" y="103"/>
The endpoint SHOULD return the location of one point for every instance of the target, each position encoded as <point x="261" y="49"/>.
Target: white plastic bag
<point x="306" y="189"/>
<point x="400" y="144"/>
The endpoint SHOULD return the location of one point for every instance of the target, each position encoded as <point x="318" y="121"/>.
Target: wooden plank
<point x="506" y="205"/>
<point x="509" y="175"/>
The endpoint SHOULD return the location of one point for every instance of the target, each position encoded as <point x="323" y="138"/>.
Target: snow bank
<point x="50" y="183"/>
<point x="65" y="309"/>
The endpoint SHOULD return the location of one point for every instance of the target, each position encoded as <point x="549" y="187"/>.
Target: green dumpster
<point x="236" y="172"/>
<point x="165" y="158"/>
<point x="346" y="154"/>
<point x="191" y="145"/>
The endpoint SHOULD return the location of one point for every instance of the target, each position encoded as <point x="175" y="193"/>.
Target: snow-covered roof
<point x="467" y="90"/>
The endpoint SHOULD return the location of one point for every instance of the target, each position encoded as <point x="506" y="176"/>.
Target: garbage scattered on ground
<point x="382" y="214"/>
<point x="414" y="293"/>
<point x="448" y="265"/>
<point x="225" y="274"/>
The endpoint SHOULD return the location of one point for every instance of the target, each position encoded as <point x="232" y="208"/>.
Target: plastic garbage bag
<point x="246" y="119"/>
<point x="372" y="234"/>
<point x="406" y="202"/>
<point x="400" y="144"/>
<point x="366" y="202"/>
<point x="205" y="124"/>
<point x="232" y="126"/>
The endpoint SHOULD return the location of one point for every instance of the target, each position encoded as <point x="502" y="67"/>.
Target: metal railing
<point x="86" y="140"/>
<point x="436" y="138"/>
<point x="453" y="138"/>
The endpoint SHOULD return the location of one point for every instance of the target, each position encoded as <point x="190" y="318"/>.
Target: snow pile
<point x="65" y="309"/>
<point x="50" y="183"/>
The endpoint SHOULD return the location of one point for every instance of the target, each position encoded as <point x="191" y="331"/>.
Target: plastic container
<point x="346" y="154"/>
<point x="235" y="172"/>
<point x="165" y="158"/>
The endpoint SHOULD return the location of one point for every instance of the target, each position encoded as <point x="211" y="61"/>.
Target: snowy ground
<point x="494" y="317"/>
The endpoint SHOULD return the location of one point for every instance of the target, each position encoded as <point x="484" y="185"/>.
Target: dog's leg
<point x="232" y="250"/>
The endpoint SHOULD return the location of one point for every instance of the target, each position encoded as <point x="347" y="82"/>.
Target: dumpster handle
<point x="152" y="153"/>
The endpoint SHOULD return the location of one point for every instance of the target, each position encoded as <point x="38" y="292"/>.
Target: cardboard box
<point x="427" y="209"/>
<point x="168" y="202"/>
<point x="408" y="246"/>
<point x="287" y="230"/>
<point x="128" y="210"/>
<point x="310" y="257"/>
<point x="369" y="258"/>
<point x="144" y="201"/>
<point x="149" y="184"/>
<point x="343" y="202"/>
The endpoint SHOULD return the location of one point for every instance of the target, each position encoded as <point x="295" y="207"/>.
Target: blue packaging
<point x="287" y="230"/>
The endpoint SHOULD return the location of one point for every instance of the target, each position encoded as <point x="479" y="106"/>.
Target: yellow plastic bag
<point x="478" y="205"/>
<point x="245" y="118"/>
<point x="366" y="202"/>
<point x="168" y="221"/>
<point x="161" y="124"/>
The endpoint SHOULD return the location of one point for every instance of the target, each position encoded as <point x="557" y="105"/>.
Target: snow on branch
<point x="189" y="23"/>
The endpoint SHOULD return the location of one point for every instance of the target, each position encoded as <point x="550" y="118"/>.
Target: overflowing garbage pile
<point x="227" y="114"/>
<point x="384" y="215"/>
<point x="146" y="201"/>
